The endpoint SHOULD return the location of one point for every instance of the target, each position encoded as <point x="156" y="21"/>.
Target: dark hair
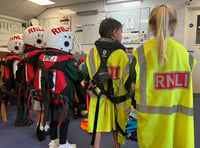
<point x="107" y="26"/>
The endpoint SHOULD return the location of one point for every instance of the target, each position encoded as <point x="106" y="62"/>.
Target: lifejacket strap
<point x="95" y="121"/>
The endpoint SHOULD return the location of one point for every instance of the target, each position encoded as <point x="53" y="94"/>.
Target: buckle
<point x="92" y="83"/>
<point x="32" y="92"/>
<point x="60" y="95"/>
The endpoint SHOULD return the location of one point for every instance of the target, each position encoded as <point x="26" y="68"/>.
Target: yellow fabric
<point x="174" y="130"/>
<point x="106" y="116"/>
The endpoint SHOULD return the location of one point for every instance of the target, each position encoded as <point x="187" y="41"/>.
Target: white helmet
<point x="59" y="37"/>
<point x="15" y="43"/>
<point x="34" y="36"/>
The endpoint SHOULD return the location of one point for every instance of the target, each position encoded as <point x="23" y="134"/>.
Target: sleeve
<point x="73" y="72"/>
<point x="131" y="79"/>
<point x="84" y="72"/>
<point x="132" y="74"/>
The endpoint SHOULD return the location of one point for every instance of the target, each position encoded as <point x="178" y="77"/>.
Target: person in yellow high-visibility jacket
<point x="118" y="66"/>
<point x="163" y="88"/>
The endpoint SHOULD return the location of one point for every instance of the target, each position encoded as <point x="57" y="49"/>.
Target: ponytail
<point x="162" y="34"/>
<point x="161" y="22"/>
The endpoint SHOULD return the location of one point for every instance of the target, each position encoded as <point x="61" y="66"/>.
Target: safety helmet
<point x="59" y="37"/>
<point x="34" y="36"/>
<point x="15" y="43"/>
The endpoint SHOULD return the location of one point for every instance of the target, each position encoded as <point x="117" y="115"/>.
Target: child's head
<point x="111" y="28"/>
<point x="163" y="18"/>
<point x="162" y="22"/>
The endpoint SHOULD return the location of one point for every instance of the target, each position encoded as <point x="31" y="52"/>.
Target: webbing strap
<point x="95" y="121"/>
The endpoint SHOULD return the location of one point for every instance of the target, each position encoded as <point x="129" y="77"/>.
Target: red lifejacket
<point x="30" y="63"/>
<point x="55" y="62"/>
<point x="8" y="72"/>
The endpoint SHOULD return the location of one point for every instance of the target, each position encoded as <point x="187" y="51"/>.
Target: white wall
<point x="102" y="7"/>
<point x="53" y="13"/>
<point x="6" y="30"/>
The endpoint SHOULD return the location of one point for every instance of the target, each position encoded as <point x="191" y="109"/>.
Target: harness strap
<point x="95" y="120"/>
<point x="119" y="99"/>
<point x="55" y="100"/>
<point x="37" y="93"/>
<point x="29" y="107"/>
<point x="57" y="97"/>
<point x="87" y="95"/>
<point x="45" y="92"/>
<point x="115" y="100"/>
<point x="19" y="93"/>
<point x="63" y="114"/>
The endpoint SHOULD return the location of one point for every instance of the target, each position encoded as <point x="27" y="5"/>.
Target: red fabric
<point x="37" y="80"/>
<point x="7" y="73"/>
<point x="60" y="82"/>
<point x="30" y="72"/>
<point x="63" y="113"/>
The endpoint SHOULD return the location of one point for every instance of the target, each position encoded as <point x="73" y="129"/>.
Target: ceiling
<point x="25" y="10"/>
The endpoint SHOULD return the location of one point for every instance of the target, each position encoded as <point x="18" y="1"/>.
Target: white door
<point x="190" y="42"/>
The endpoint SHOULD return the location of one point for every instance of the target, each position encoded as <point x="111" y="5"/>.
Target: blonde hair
<point x="162" y="20"/>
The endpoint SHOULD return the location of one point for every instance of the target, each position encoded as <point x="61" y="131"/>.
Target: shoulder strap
<point x="102" y="73"/>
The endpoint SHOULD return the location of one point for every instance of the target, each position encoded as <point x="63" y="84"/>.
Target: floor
<point x="24" y="137"/>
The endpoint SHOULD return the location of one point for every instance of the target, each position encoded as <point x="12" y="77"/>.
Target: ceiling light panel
<point x="42" y="2"/>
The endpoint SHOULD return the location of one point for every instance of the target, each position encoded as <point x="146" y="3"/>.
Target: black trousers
<point x="56" y="112"/>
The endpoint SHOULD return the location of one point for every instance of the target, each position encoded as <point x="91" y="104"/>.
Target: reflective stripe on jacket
<point x="164" y="97"/>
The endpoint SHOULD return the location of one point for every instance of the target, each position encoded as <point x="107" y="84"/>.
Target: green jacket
<point x="74" y="76"/>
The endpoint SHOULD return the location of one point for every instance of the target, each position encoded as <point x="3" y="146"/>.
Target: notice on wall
<point x="135" y="24"/>
<point x="86" y="28"/>
<point x="87" y="33"/>
<point x="8" y="28"/>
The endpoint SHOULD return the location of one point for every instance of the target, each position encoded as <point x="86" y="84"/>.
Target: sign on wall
<point x="8" y="28"/>
<point x="135" y="24"/>
<point x="198" y="30"/>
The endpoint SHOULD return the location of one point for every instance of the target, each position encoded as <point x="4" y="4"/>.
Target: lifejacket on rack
<point x="50" y="82"/>
<point x="9" y="80"/>
<point x="30" y="59"/>
<point x="164" y="97"/>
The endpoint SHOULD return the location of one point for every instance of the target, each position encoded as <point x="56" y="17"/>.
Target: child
<point x="114" y="102"/>
<point x="163" y="86"/>
<point x="79" y="105"/>
<point x="33" y="38"/>
<point x="9" y="87"/>
<point x="59" y="73"/>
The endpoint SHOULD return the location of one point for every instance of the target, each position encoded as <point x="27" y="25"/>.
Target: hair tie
<point x="163" y="6"/>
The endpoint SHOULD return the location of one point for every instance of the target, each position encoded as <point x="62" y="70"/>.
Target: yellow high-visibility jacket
<point x="164" y="97"/>
<point x="118" y="66"/>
